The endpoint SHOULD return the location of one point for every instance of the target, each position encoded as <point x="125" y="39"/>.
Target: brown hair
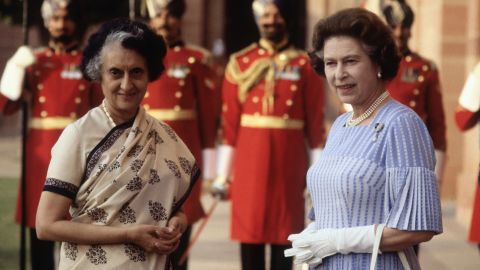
<point x="364" y="26"/>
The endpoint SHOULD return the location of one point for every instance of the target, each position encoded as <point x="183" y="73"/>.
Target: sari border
<point x="193" y="180"/>
<point x="98" y="149"/>
<point x="60" y="187"/>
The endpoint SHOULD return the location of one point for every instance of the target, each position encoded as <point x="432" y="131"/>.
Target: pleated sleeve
<point x="411" y="195"/>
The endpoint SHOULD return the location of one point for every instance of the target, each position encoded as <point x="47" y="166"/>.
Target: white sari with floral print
<point x="140" y="172"/>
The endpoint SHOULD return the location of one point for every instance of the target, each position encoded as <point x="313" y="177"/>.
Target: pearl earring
<point x="379" y="74"/>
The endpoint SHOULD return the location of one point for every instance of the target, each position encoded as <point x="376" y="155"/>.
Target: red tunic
<point x="59" y="96"/>
<point x="3" y="102"/>
<point x="269" y="131"/>
<point x="186" y="98"/>
<point x="417" y="85"/>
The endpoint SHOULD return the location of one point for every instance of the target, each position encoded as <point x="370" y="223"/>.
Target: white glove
<point x="11" y="83"/>
<point x="440" y="165"/>
<point x="224" y="164"/>
<point x="209" y="156"/>
<point x="302" y="252"/>
<point x="315" y="154"/>
<point x="470" y="96"/>
<point x="312" y="247"/>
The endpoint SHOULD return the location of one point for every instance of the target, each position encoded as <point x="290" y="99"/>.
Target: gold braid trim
<point x="261" y="69"/>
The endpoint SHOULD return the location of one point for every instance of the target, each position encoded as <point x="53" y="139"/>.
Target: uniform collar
<point x="274" y="47"/>
<point x="56" y="48"/>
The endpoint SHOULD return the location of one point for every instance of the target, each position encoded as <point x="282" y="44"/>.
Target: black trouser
<point x="177" y="254"/>
<point x="41" y="252"/>
<point x="253" y="257"/>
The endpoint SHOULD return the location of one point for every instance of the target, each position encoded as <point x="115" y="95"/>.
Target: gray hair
<point x="93" y="68"/>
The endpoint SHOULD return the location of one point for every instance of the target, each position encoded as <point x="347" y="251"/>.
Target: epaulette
<point x="232" y="70"/>
<point x="427" y="61"/>
<point x="243" y="51"/>
<point x="206" y="57"/>
<point x="295" y="52"/>
<point x="430" y="63"/>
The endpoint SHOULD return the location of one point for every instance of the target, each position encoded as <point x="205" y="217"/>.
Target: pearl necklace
<point x="110" y="119"/>
<point x="353" y="122"/>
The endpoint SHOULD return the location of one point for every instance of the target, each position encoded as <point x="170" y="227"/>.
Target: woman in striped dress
<point x="375" y="179"/>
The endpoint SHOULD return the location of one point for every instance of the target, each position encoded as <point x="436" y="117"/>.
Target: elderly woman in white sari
<point x="118" y="177"/>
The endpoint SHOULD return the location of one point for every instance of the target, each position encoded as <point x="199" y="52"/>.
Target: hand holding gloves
<point x="11" y="83"/>
<point x="311" y="246"/>
<point x="221" y="184"/>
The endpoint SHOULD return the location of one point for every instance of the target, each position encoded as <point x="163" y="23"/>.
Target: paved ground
<point x="214" y="251"/>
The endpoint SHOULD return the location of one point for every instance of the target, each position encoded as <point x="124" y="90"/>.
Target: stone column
<point x="447" y="32"/>
<point x="466" y="165"/>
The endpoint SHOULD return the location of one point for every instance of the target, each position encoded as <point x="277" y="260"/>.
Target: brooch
<point x="378" y="128"/>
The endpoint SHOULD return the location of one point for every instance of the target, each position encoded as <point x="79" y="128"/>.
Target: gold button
<point x="181" y="82"/>
<point x="416" y="92"/>
<point x="257" y="114"/>
<point x="37" y="73"/>
<point x="293" y="87"/>
<point x="176" y="108"/>
<point x="425" y="67"/>
<point x="42" y="99"/>
<point x="191" y="60"/>
<point x="255" y="99"/>
<point x="302" y="62"/>
<point x="286" y="116"/>
<point x="74" y="52"/>
<point x="39" y="86"/>
<point x="261" y="51"/>
<point x="408" y="58"/>
<point x="78" y="100"/>
<point x="282" y="57"/>
<point x="147" y="94"/>
<point x="146" y="107"/>
<point x="421" y="78"/>
<point x="81" y="87"/>
<point x="178" y="94"/>
<point x="73" y="115"/>
<point x="412" y="104"/>
<point x="289" y="102"/>
<point x="245" y="59"/>
<point x="176" y="48"/>
<point x="43" y="113"/>
<point x="224" y="107"/>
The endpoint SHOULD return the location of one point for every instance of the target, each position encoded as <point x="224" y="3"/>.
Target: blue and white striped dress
<point x="382" y="172"/>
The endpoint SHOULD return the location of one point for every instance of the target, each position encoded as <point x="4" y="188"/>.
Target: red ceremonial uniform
<point x="186" y="98"/>
<point x="3" y="101"/>
<point x="273" y="102"/>
<point x="59" y="96"/>
<point x="474" y="235"/>
<point x="417" y="85"/>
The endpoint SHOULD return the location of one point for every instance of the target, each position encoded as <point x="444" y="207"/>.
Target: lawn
<point x="10" y="231"/>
